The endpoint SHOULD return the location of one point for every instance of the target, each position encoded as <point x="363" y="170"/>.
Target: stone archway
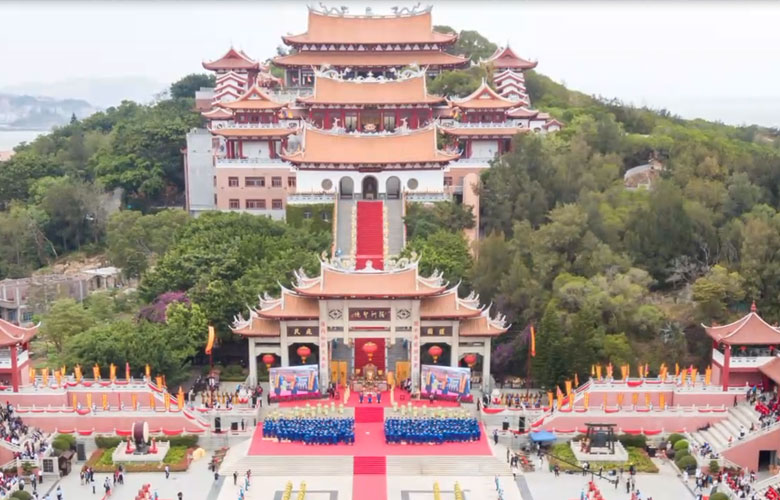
<point x="346" y="188"/>
<point x="370" y="188"/>
<point x="393" y="188"/>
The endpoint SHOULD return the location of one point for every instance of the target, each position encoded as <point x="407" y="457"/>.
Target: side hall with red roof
<point x="745" y="351"/>
<point x="14" y="353"/>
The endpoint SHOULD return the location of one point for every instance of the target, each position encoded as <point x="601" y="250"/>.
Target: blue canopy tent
<point x="543" y="437"/>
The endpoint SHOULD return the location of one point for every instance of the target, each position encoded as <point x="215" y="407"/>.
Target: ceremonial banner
<point x="294" y="380"/>
<point x="661" y="400"/>
<point x="445" y="380"/>
<point x="598" y="372"/>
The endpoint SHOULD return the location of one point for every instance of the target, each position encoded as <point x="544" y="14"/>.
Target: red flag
<point x="533" y="342"/>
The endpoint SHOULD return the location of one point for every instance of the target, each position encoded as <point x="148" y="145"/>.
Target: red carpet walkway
<point x="369" y="481"/>
<point x="369" y="241"/>
<point x="369" y="414"/>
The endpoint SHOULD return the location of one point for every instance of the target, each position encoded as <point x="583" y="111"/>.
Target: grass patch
<point x="636" y="456"/>
<point x="177" y="459"/>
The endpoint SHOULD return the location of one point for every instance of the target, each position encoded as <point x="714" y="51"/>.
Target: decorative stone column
<point x="252" y="362"/>
<point x="323" y="345"/>
<point x="455" y="346"/>
<point x="415" y="346"/>
<point x="486" y="366"/>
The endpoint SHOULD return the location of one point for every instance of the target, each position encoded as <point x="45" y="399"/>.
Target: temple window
<point x="276" y="204"/>
<point x="255" y="204"/>
<point x="276" y="182"/>
<point x="448" y="181"/>
<point x="291" y="182"/>
<point x="307" y="214"/>
<point x="350" y="122"/>
<point x="388" y="122"/>
<point x="234" y="204"/>
<point x="254" y="181"/>
<point x="232" y="181"/>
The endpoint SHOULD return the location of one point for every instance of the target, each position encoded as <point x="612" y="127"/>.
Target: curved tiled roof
<point x="484" y="98"/>
<point x="446" y="305"/>
<point x="345" y="29"/>
<point x="750" y="329"/>
<point x="381" y="92"/>
<point x="233" y="59"/>
<point x="253" y="99"/>
<point x="290" y="306"/>
<point x="483" y="131"/>
<point x="256" y="326"/>
<point x="417" y="146"/>
<point x="368" y="284"/>
<point x="11" y="334"/>
<point x="504" y="57"/>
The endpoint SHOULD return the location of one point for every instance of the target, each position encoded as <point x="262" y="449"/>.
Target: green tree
<point x="65" y="319"/>
<point x="443" y="250"/>
<point x="715" y="291"/>
<point x="136" y="240"/>
<point x="422" y="220"/>
<point x="187" y="86"/>
<point x="458" y="83"/>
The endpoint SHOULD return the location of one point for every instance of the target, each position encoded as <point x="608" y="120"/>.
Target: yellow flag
<point x="568" y="387"/>
<point x="134" y="401"/>
<point x="89" y="400"/>
<point x="586" y="399"/>
<point x="151" y="400"/>
<point x="661" y="400"/>
<point x="45" y="376"/>
<point x="647" y="399"/>
<point x="634" y="398"/>
<point x="598" y="372"/>
<point x="75" y="402"/>
<point x="576" y="380"/>
<point x="105" y="401"/>
<point x="158" y="379"/>
<point x="32" y="374"/>
<point x="550" y="399"/>
<point x="620" y="399"/>
<point x="167" y="399"/>
<point x="58" y="377"/>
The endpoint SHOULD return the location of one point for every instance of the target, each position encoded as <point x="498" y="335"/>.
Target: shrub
<point x="21" y="495"/>
<point x="186" y="440"/>
<point x="175" y="455"/>
<point x="681" y="445"/>
<point x="233" y="373"/>
<point x="719" y="496"/>
<point x="680" y="453"/>
<point x="107" y="457"/>
<point x="63" y="442"/>
<point x="108" y="441"/>
<point x="673" y="438"/>
<point x="686" y="462"/>
<point x="628" y="440"/>
<point x="714" y="467"/>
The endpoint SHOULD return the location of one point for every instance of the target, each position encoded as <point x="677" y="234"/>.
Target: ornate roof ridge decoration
<point x="415" y="10"/>
<point x="498" y="321"/>
<point x="348" y="264"/>
<point x="253" y="94"/>
<point x="413" y="71"/>
<point x="232" y="74"/>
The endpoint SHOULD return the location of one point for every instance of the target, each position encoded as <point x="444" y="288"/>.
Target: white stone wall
<point x="256" y="149"/>
<point x="484" y="148"/>
<point x="311" y="181"/>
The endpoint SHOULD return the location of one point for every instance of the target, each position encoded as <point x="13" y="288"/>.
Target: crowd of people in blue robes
<point x="431" y="430"/>
<point x="311" y="430"/>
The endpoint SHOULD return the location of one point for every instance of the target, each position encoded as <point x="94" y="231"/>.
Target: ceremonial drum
<point x="140" y="433"/>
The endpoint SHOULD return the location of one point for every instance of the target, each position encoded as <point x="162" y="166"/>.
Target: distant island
<point x="24" y="112"/>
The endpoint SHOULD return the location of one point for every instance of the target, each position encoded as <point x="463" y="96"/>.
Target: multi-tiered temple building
<point x="365" y="77"/>
<point x="349" y="122"/>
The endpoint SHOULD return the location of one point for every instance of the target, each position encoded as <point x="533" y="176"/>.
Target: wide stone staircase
<point x="486" y="465"/>
<point x="344" y="225"/>
<point x="719" y="433"/>
<point x="395" y="221"/>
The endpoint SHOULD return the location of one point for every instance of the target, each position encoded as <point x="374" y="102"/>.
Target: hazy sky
<point x="716" y="60"/>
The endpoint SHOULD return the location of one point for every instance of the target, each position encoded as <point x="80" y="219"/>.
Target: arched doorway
<point x="370" y="188"/>
<point x="393" y="188"/>
<point x="346" y="188"/>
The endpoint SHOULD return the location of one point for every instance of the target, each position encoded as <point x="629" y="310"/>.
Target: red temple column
<point x="726" y="367"/>
<point x="14" y="369"/>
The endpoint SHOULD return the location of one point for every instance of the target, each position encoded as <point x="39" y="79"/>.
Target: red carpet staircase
<point x="369" y="480"/>
<point x="370" y="234"/>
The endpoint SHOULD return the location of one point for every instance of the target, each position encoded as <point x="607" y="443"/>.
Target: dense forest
<point x="605" y="273"/>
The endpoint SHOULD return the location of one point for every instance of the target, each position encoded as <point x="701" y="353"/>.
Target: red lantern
<point x="303" y="352"/>
<point x="268" y="359"/>
<point x="470" y="359"/>
<point x="435" y="351"/>
<point x="743" y="348"/>
<point x="369" y="348"/>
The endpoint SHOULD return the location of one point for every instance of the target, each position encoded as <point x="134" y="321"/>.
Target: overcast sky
<point x="716" y="60"/>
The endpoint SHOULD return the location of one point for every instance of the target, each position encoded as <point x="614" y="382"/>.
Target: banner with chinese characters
<point x="369" y="314"/>
<point x="435" y="331"/>
<point x="445" y="380"/>
<point x="291" y="381"/>
<point x="303" y="331"/>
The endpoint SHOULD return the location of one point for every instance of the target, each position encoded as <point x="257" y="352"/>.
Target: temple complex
<point x="353" y="76"/>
